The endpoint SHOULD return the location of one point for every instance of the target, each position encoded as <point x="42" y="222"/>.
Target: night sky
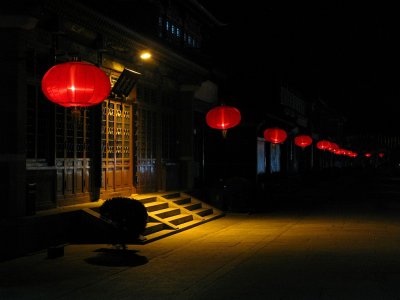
<point x="346" y="55"/>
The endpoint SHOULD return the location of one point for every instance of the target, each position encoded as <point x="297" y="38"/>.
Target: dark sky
<point x="347" y="55"/>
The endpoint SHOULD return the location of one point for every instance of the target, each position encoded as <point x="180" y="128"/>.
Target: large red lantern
<point x="323" y="144"/>
<point x="303" y="141"/>
<point x="76" y="84"/>
<point x="223" y="117"/>
<point x="275" y="135"/>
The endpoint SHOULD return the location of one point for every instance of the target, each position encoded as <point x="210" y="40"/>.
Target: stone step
<point x="179" y="219"/>
<point x="153" y="227"/>
<point x="146" y="200"/>
<point x="192" y="206"/>
<point x="182" y="200"/>
<point x="203" y="211"/>
<point x="154" y="206"/>
<point x="168" y="212"/>
<point x="172" y="195"/>
<point x="164" y="213"/>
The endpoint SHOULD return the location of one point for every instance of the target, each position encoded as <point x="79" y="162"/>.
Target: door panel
<point x="116" y="145"/>
<point x="72" y="161"/>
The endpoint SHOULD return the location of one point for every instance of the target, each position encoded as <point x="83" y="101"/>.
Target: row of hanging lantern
<point x="224" y="117"/>
<point x="79" y="84"/>
<point x="334" y="148"/>
<point x="278" y="136"/>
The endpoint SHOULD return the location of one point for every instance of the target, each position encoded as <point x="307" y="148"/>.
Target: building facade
<point x="140" y="139"/>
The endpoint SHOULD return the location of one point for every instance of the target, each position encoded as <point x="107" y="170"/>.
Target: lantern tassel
<point x="224" y="133"/>
<point x="76" y="115"/>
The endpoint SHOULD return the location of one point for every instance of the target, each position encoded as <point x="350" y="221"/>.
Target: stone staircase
<point x="172" y="212"/>
<point x="168" y="213"/>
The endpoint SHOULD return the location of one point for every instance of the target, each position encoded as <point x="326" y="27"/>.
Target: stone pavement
<point x="331" y="254"/>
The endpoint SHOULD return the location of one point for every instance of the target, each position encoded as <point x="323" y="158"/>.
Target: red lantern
<point x="367" y="154"/>
<point x="381" y="154"/>
<point x="303" y="141"/>
<point x="340" y="151"/>
<point x="333" y="147"/>
<point x="76" y="84"/>
<point x="275" y="135"/>
<point x="323" y="145"/>
<point x="347" y="152"/>
<point x="223" y="117"/>
<point x="352" y="154"/>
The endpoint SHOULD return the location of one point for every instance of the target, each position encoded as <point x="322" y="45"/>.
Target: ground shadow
<point x="116" y="258"/>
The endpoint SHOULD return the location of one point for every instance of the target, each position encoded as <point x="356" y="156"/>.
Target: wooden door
<point x="72" y="156"/>
<point x="116" y="148"/>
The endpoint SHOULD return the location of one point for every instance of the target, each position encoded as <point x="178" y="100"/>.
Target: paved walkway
<point x="319" y="255"/>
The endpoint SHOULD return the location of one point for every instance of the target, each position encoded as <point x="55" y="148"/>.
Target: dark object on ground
<point x="117" y="257"/>
<point x="55" y="251"/>
<point x="128" y="216"/>
<point x="237" y="194"/>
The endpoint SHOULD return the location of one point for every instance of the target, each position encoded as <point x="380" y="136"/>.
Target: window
<point x="167" y="26"/>
<point x="160" y="26"/>
<point x="39" y="110"/>
<point x="174" y="30"/>
<point x="275" y="163"/>
<point x="39" y="114"/>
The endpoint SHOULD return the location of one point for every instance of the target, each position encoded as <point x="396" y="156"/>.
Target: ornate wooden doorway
<point x="116" y="149"/>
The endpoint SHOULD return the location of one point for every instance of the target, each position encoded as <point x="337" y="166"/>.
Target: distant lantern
<point x="340" y="151"/>
<point x="223" y="117"/>
<point x="303" y="141"/>
<point x="275" y="135"/>
<point x="347" y="152"/>
<point x="323" y="145"/>
<point x="367" y="154"/>
<point x="353" y="154"/>
<point x="333" y="147"/>
<point x="76" y="84"/>
<point x="381" y="154"/>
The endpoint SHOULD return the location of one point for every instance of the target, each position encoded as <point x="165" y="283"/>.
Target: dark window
<point x="38" y="132"/>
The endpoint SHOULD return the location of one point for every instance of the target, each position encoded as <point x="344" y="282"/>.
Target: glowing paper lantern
<point x="333" y="147"/>
<point x="223" y="117"/>
<point x="275" y="135"/>
<point x="347" y="152"/>
<point x="340" y="151"/>
<point x="354" y="154"/>
<point x="323" y="145"/>
<point x="367" y="154"/>
<point x="76" y="84"/>
<point x="381" y="154"/>
<point x="303" y="141"/>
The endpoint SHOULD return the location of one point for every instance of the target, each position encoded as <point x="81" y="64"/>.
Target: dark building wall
<point x="12" y="150"/>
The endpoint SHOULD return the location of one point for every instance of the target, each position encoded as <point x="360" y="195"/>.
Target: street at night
<point x="199" y="150"/>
